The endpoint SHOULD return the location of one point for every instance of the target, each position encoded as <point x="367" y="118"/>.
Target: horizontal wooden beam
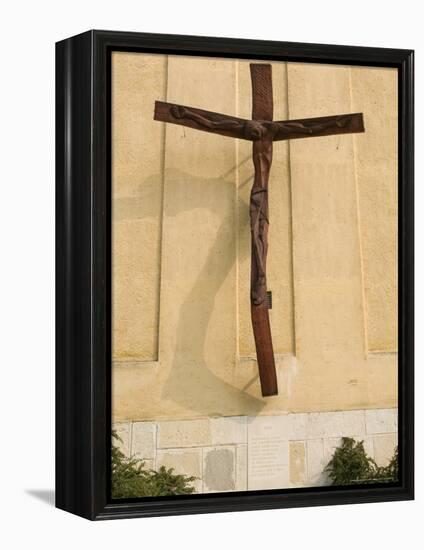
<point x="223" y="125"/>
<point x="350" y="123"/>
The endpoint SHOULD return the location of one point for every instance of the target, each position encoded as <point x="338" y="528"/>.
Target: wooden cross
<point x="262" y="131"/>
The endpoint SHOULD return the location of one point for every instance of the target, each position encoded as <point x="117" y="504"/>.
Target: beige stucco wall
<point x="182" y="339"/>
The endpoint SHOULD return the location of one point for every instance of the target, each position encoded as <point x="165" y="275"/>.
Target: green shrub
<point x="351" y="465"/>
<point x="130" y="479"/>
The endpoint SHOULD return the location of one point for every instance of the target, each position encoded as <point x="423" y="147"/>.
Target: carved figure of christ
<point x="262" y="131"/>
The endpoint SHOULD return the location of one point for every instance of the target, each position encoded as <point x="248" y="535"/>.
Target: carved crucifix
<point x="262" y="131"/>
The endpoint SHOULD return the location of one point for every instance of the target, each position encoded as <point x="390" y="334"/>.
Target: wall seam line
<point x="358" y="217"/>
<point x="290" y="199"/>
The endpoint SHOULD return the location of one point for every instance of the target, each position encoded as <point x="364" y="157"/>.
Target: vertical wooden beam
<point x="262" y="109"/>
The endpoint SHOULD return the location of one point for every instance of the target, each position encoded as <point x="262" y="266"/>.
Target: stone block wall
<point x="247" y="453"/>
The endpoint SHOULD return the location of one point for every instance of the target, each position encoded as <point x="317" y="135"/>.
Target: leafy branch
<point x="350" y="465"/>
<point x="130" y="478"/>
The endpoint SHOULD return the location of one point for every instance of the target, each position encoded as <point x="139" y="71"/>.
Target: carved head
<point x="254" y="130"/>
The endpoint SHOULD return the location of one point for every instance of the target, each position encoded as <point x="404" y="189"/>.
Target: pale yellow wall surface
<point x="137" y="175"/>
<point x="183" y="345"/>
<point x="377" y="175"/>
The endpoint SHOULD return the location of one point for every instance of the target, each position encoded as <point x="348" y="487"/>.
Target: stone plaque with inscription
<point x="268" y="453"/>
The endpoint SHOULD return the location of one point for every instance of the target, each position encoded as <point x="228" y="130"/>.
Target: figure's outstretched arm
<point x="320" y="126"/>
<point x="200" y="119"/>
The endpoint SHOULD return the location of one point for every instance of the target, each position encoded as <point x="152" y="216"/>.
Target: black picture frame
<point x="83" y="275"/>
